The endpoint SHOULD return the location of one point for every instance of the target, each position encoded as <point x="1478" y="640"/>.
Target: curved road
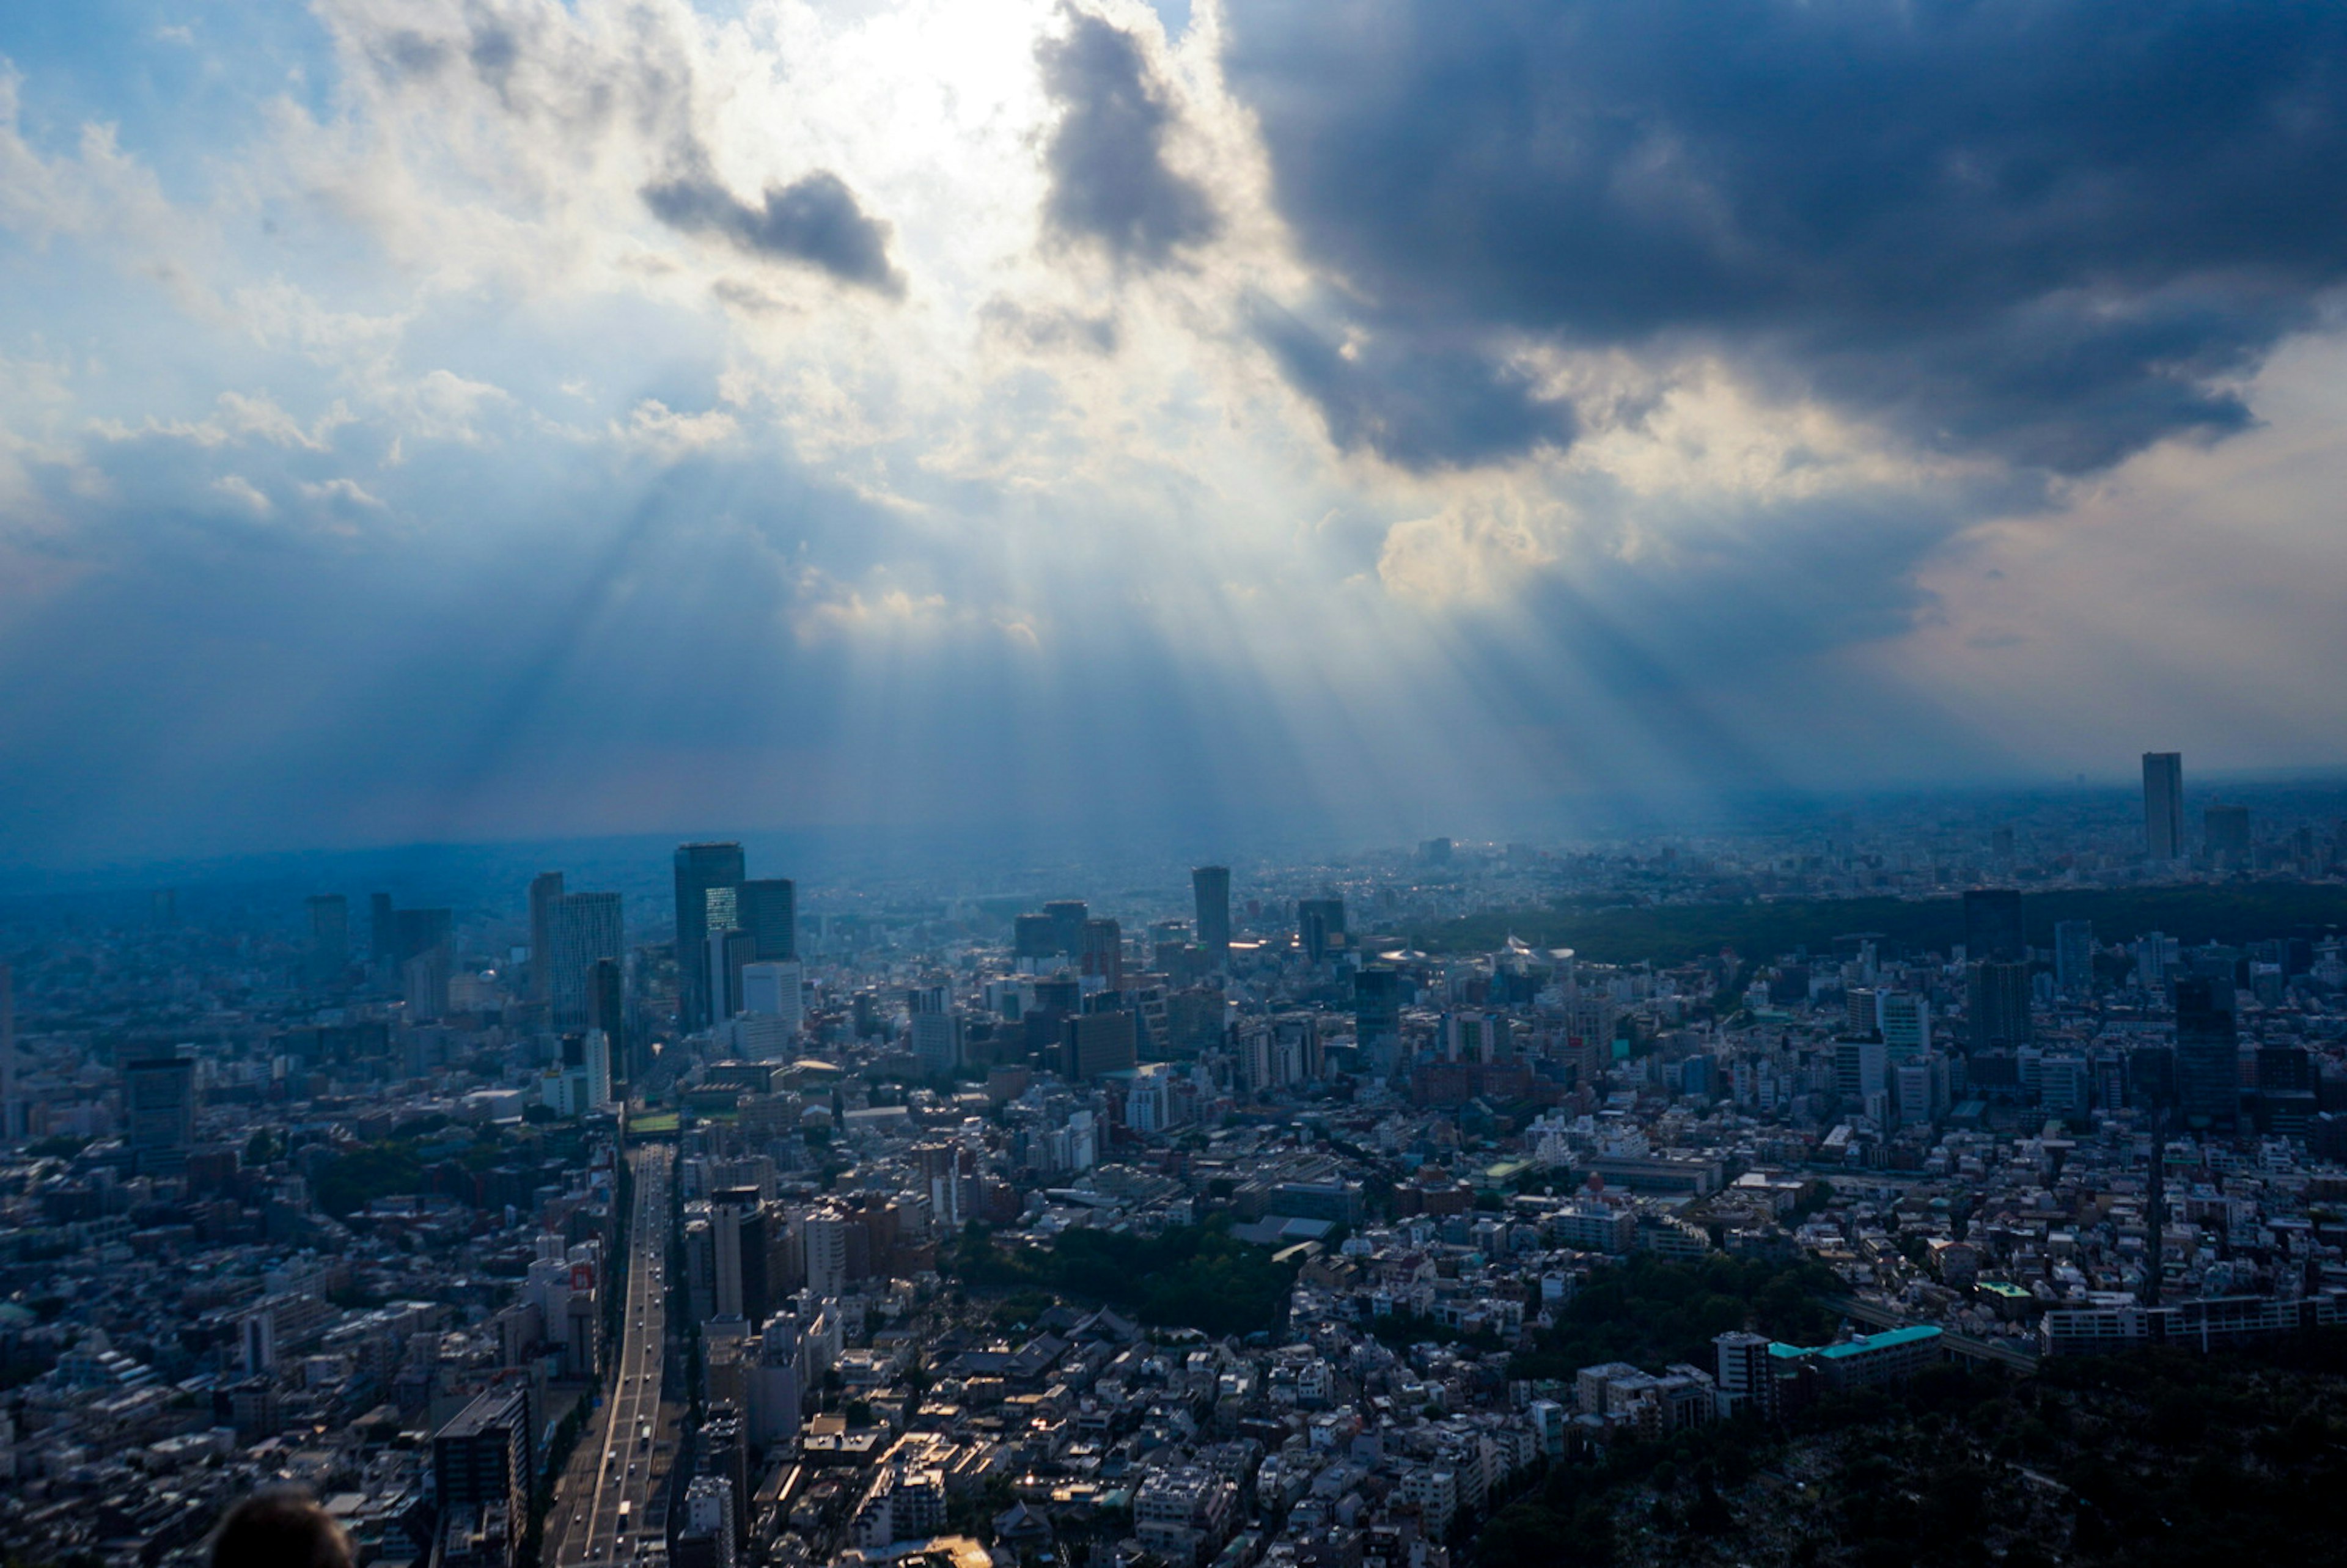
<point x="603" y="1502"/>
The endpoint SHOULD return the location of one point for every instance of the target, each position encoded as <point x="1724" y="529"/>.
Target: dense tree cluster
<point x="1652" y="1311"/>
<point x="1189" y="1277"/>
<point x="2155" y="1458"/>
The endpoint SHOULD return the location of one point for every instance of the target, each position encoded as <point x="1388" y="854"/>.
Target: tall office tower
<point x="1095" y="1043"/>
<point x="699" y="869"/>
<point x="587" y="1056"/>
<point x="1067" y="916"/>
<point x="607" y="1011"/>
<point x="1319" y="926"/>
<point x="1861" y="1069"/>
<point x="159" y="1104"/>
<point x="1034" y="937"/>
<point x="1993" y="928"/>
<point x="2163" y="805"/>
<point x="483" y="1463"/>
<point x="1905" y="1020"/>
<point x="825" y="1241"/>
<point x="422" y="958"/>
<point x="585" y="930"/>
<point x="937" y="1029"/>
<point x="1475" y="1036"/>
<point x="1100" y="951"/>
<point x="775" y="989"/>
<point x="738" y="1221"/>
<point x="2225" y="829"/>
<point x="1377" y="1015"/>
<point x="729" y="954"/>
<point x="1860" y="1017"/>
<point x="2208" y="1056"/>
<point x="381" y="919"/>
<point x="545" y="901"/>
<point x="2073" y="955"/>
<point x="768" y="909"/>
<point x="1997" y="1005"/>
<point x="1210" y="886"/>
<point x="330" y="938"/>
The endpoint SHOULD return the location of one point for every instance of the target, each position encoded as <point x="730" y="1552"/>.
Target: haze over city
<point x="428" y="422"/>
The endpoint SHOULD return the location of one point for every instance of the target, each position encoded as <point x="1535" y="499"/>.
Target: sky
<point x="511" y="419"/>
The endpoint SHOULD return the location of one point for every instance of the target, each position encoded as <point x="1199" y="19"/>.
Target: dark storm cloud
<point x="815" y="221"/>
<point x="2046" y="232"/>
<point x="1417" y="405"/>
<point x="1107" y="157"/>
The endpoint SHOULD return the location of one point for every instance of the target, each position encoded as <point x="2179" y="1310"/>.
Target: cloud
<point x="1110" y="182"/>
<point x="1419" y="405"/>
<point x="2053" y="233"/>
<point x="814" y="222"/>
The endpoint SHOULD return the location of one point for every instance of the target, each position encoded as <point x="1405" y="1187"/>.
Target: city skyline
<point x="519" y="421"/>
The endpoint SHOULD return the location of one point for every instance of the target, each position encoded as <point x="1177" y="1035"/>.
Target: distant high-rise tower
<point x="330" y="938"/>
<point x="381" y="918"/>
<point x="585" y="930"/>
<point x="2163" y="805"/>
<point x="1211" y="884"/>
<point x="607" y="1010"/>
<point x="159" y="1104"/>
<point x="768" y="910"/>
<point x="2208" y="1055"/>
<point x="1992" y="925"/>
<point x="2225" y="829"/>
<point x="545" y="898"/>
<point x="1319" y="926"/>
<point x="699" y="869"/>
<point x="2073" y="955"/>
<point x="1100" y="951"/>
<point x="1996" y="1005"/>
<point x="1068" y="916"/>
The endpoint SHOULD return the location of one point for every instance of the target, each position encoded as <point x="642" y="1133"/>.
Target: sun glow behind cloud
<point x="544" y="418"/>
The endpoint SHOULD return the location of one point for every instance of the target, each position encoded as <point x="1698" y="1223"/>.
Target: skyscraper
<point x="774" y="989"/>
<point x="2225" y="829"/>
<point x="1319" y="926"/>
<point x="1992" y="927"/>
<point x="482" y="1463"/>
<point x="2073" y="955"/>
<point x="1067" y="916"/>
<point x="1211" y="887"/>
<point x="330" y="938"/>
<point x="768" y="909"/>
<point x="699" y="869"/>
<point x="545" y="898"/>
<point x="2163" y="805"/>
<point x="585" y="929"/>
<point x="1905" y="1020"/>
<point x="158" y="1105"/>
<point x="607" y="1010"/>
<point x="1100" y="951"/>
<point x="1997" y="1005"/>
<point x="1096" y="1044"/>
<point x="1377" y="1014"/>
<point x="738" y="1222"/>
<point x="2208" y="1056"/>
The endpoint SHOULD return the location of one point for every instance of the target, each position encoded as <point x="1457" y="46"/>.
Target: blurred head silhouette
<point x="280" y="1529"/>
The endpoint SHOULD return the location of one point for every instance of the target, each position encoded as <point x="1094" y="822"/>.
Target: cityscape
<point x="1285" y="1212"/>
<point x="1172" y="783"/>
